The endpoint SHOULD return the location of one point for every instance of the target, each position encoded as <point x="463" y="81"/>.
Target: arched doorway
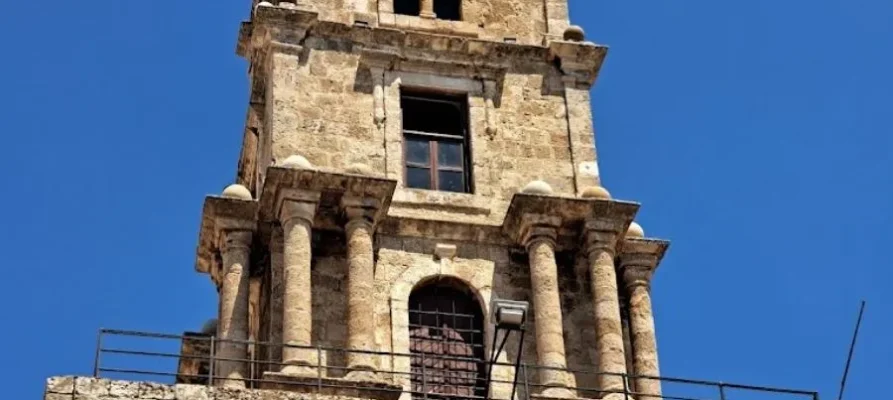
<point x="446" y="335"/>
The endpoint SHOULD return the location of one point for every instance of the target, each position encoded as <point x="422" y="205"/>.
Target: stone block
<point x="91" y="387"/>
<point x="124" y="389"/>
<point x="156" y="391"/>
<point x="60" y="384"/>
<point x="193" y="392"/>
<point x="58" y="396"/>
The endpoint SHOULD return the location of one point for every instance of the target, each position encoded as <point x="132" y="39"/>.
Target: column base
<point x="375" y="389"/>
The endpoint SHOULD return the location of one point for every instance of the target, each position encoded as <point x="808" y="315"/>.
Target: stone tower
<point x="405" y="164"/>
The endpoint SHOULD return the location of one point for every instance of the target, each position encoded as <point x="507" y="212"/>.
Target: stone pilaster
<point x="232" y="329"/>
<point x="277" y="294"/>
<point x="556" y="19"/>
<point x="360" y="282"/>
<point x="296" y="217"/>
<point x="611" y="364"/>
<point x="540" y="243"/>
<point x="638" y="261"/>
<point x="580" y="133"/>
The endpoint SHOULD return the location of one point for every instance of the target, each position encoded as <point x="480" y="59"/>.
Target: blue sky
<point x="756" y="134"/>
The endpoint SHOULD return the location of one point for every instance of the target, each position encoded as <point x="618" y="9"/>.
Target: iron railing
<point x="132" y="355"/>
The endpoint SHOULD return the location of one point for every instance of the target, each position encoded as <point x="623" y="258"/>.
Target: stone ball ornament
<point x="537" y="187"/>
<point x="359" y="169"/>
<point x="574" y="33"/>
<point x="635" y="230"/>
<point x="237" y="191"/>
<point x="296" y="162"/>
<point x="595" y="192"/>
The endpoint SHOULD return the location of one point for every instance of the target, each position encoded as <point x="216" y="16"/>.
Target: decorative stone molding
<point x="221" y="215"/>
<point x="292" y="26"/>
<point x="445" y="251"/>
<point x="581" y="61"/>
<point x="339" y="189"/>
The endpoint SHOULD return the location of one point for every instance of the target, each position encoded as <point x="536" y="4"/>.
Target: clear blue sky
<point x="756" y="134"/>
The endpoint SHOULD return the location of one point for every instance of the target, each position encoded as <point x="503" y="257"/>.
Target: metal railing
<point x="193" y="358"/>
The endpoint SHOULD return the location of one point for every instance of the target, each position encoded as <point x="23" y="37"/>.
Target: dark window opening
<point x="446" y="342"/>
<point x="407" y="7"/>
<point x="448" y="9"/>
<point x="435" y="142"/>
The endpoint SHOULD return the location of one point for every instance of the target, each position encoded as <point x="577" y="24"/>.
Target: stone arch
<point x="475" y="275"/>
<point x="446" y="339"/>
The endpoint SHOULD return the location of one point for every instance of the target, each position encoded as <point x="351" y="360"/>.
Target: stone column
<point x="547" y="313"/>
<point x="232" y="329"/>
<point x="427" y="9"/>
<point x="605" y="299"/>
<point x="360" y="281"/>
<point x="637" y="272"/>
<point x="297" y="218"/>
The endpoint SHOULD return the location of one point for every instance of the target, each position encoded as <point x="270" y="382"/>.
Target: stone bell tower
<point x="396" y="144"/>
<point x="406" y="163"/>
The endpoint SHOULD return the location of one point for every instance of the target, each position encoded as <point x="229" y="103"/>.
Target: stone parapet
<point x="83" y="388"/>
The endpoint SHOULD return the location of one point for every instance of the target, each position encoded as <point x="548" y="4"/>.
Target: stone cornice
<point x="643" y="253"/>
<point x="334" y="191"/>
<point x="570" y="216"/>
<point x="220" y="215"/>
<point x="296" y="27"/>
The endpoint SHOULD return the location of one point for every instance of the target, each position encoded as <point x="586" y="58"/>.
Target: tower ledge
<point x="290" y="29"/>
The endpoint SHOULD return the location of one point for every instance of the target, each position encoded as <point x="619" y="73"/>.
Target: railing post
<point x="526" y="383"/>
<point x="722" y="391"/>
<point x="318" y="369"/>
<point x="625" y="386"/>
<point x="424" y="384"/>
<point x="98" y="353"/>
<point x="211" y="361"/>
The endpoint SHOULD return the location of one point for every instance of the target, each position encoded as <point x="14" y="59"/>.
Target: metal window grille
<point x="446" y="334"/>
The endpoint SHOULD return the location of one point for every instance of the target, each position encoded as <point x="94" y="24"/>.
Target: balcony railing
<point x="191" y="358"/>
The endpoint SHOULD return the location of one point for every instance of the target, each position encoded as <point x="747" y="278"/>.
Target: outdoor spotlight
<point x="509" y="314"/>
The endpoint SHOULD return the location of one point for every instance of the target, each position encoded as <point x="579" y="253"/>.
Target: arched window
<point x="448" y="9"/>
<point x="446" y="341"/>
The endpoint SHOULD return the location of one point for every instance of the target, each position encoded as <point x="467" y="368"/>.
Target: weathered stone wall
<point x="321" y="105"/>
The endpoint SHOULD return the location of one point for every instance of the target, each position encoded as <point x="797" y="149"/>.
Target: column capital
<point x="235" y="240"/>
<point x="360" y="208"/>
<point x="598" y="241"/>
<point x="637" y="275"/>
<point x="639" y="259"/>
<point x="541" y="233"/>
<point x="221" y="215"/>
<point x="303" y="209"/>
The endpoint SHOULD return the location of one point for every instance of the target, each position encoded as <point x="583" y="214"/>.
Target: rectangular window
<point x="435" y="142"/>
<point x="407" y="7"/>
